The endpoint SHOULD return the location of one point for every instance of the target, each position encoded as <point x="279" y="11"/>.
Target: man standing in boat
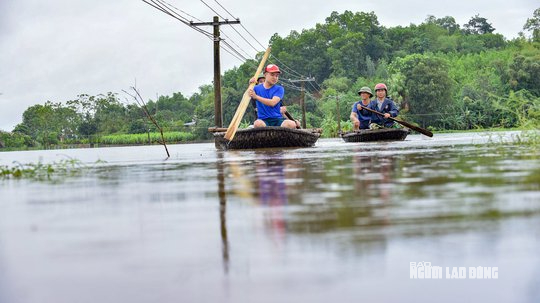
<point x="268" y="96"/>
<point x="385" y="106"/>
<point x="361" y="118"/>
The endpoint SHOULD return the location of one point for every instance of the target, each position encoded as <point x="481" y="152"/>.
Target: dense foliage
<point x="441" y="74"/>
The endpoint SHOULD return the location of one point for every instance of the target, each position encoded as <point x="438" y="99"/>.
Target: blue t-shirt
<point x="264" y="111"/>
<point x="364" y="116"/>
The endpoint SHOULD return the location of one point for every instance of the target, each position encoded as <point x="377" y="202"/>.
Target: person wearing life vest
<point x="361" y="118"/>
<point x="268" y="96"/>
<point x="383" y="105"/>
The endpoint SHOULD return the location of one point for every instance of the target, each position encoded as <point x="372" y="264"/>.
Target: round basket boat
<point x="268" y="137"/>
<point x="369" y="135"/>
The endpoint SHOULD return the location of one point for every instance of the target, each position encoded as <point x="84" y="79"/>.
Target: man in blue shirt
<point x="361" y="118"/>
<point x="268" y="96"/>
<point x="383" y="105"/>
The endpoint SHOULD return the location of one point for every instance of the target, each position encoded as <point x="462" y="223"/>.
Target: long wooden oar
<point x="235" y="122"/>
<point x="290" y="117"/>
<point x="404" y="123"/>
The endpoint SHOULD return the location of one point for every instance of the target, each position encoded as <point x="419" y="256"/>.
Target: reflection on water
<point x="335" y="222"/>
<point x="223" y="213"/>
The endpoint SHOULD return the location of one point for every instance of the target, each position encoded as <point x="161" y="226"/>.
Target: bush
<point x="15" y="140"/>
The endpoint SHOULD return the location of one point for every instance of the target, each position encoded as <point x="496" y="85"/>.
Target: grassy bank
<point x="151" y="138"/>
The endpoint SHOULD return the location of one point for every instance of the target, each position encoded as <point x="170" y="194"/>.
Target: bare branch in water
<point x="140" y="102"/>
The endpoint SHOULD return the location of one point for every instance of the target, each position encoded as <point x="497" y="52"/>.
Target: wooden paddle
<point x="406" y="124"/>
<point x="290" y="117"/>
<point x="235" y="122"/>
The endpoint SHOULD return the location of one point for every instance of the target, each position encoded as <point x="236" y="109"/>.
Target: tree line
<point x="443" y="76"/>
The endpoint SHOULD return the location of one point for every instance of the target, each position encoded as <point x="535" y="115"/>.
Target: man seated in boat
<point x="268" y="98"/>
<point x="361" y="118"/>
<point x="385" y="106"/>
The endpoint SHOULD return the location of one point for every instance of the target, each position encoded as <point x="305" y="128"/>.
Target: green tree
<point x="110" y="114"/>
<point x="37" y="124"/>
<point x="478" y="26"/>
<point x="88" y="127"/>
<point x="533" y="25"/>
<point x="524" y="73"/>
<point x="428" y="85"/>
<point x="138" y="126"/>
<point x="448" y="23"/>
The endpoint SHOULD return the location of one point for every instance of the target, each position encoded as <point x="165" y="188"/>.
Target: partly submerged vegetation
<point x="44" y="171"/>
<point x="527" y="137"/>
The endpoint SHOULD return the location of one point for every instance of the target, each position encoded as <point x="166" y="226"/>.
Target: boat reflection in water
<point x="272" y="191"/>
<point x="263" y="182"/>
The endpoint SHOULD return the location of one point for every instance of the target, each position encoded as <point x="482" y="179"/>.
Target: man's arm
<point x="270" y="102"/>
<point x="354" y="117"/>
<point x="393" y="109"/>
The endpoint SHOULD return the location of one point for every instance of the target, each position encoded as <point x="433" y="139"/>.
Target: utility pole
<point x="302" y="102"/>
<point x="218" y="118"/>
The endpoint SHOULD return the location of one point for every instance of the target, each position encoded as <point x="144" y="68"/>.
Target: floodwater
<point x="337" y="222"/>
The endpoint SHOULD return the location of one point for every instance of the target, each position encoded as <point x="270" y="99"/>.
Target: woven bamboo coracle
<point x="368" y="135"/>
<point x="268" y="137"/>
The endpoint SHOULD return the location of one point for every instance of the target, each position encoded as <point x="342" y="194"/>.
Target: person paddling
<point x="268" y="98"/>
<point x="385" y="106"/>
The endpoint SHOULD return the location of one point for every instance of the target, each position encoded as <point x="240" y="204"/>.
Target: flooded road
<point x="340" y="221"/>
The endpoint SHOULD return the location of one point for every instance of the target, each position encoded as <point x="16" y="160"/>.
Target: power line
<point x="225" y="10"/>
<point x="241" y="59"/>
<point x="281" y="63"/>
<point x="297" y="74"/>
<point x="246" y="40"/>
<point x="172" y="11"/>
<point x="159" y="5"/>
<point x="213" y="10"/>
<point x="262" y="46"/>
<point x="181" y="10"/>
<point x="233" y="49"/>
<point x="231" y="25"/>
<point x="296" y="88"/>
<point x="233" y="42"/>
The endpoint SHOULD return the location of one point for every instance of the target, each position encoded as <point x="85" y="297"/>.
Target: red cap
<point x="272" y="68"/>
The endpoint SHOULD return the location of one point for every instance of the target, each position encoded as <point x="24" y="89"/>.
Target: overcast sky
<point x="57" y="49"/>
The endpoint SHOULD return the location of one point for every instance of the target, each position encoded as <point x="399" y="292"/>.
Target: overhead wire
<point x="233" y="42"/>
<point x="296" y="88"/>
<point x="240" y="58"/>
<point x="281" y="63"/>
<point x="195" y="18"/>
<point x="159" y="5"/>
<point x="165" y="7"/>
<point x="233" y="50"/>
<point x="221" y="31"/>
<point x="213" y="10"/>
<point x="170" y="9"/>
<point x="262" y="46"/>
